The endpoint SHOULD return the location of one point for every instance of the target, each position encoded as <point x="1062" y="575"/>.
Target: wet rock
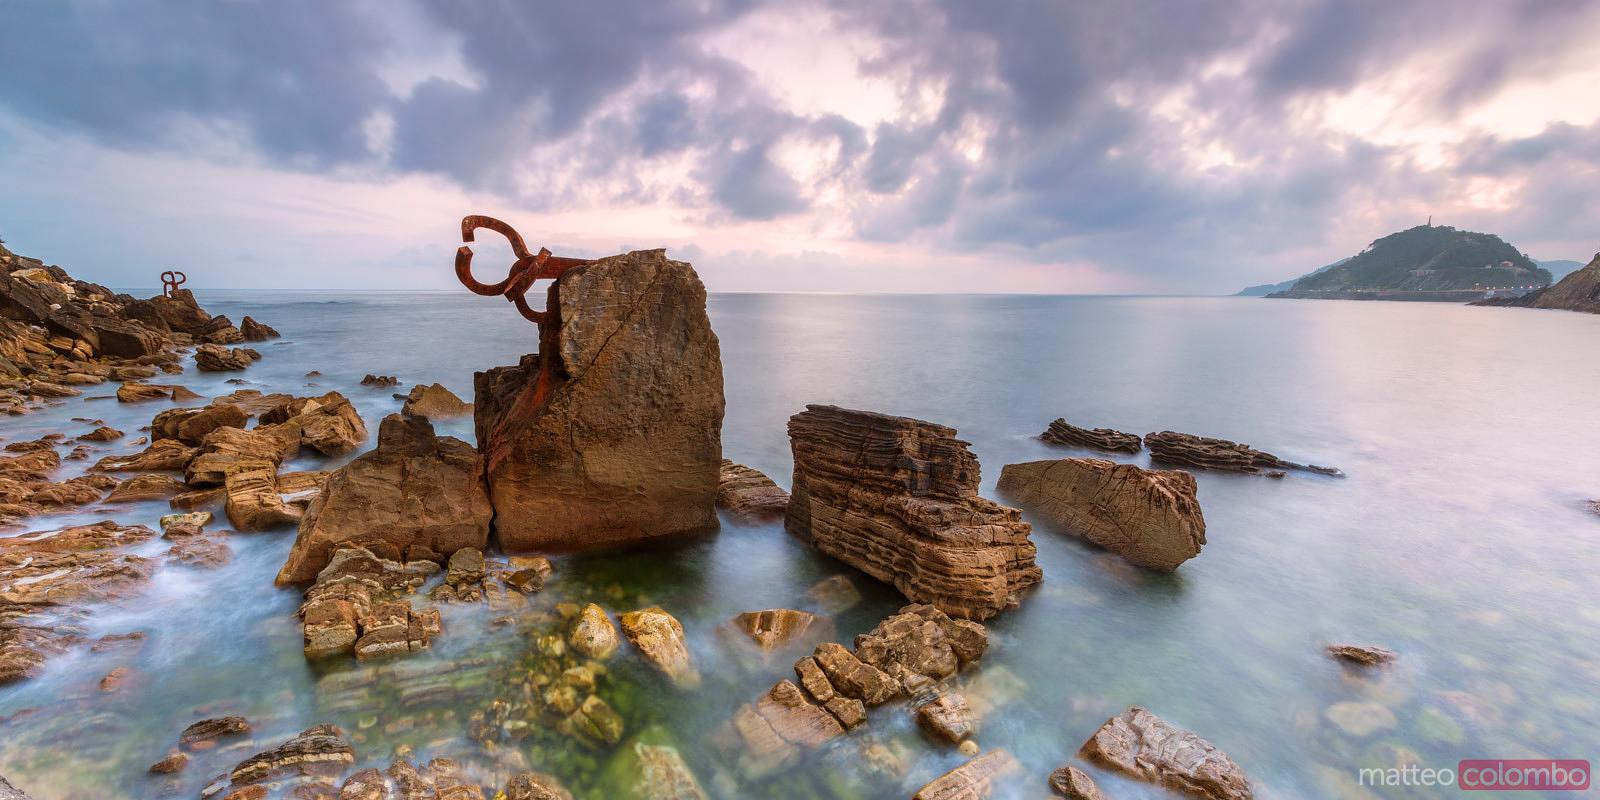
<point x="660" y="638"/>
<point x="151" y="486"/>
<point x="851" y="677"/>
<point x="133" y="392"/>
<point x="663" y="775"/>
<point x="1074" y="784"/>
<point x="216" y="358"/>
<point x="174" y="762"/>
<point x="194" y="519"/>
<point x="1151" y="518"/>
<point x="526" y="574"/>
<point x="434" y="402"/>
<point x="898" y="499"/>
<point x="921" y="640"/>
<point x="415" y="489"/>
<point x="208" y="733"/>
<point x="204" y="552"/>
<point x="772" y="733"/>
<point x="1141" y="745"/>
<point x="351" y="599"/>
<point x="1361" y="655"/>
<point x="1066" y="434"/>
<point x="190" y="425"/>
<point x="253" y="502"/>
<point x="199" y="498"/>
<point x="1200" y="452"/>
<point x="948" y="719"/>
<point x="975" y="780"/>
<point x="72" y="565"/>
<point x="574" y="459"/>
<point x="395" y="628"/>
<point x="380" y="381"/>
<point x="322" y="750"/>
<point x="101" y="434"/>
<point x="834" y="595"/>
<point x="774" y="628"/>
<point x="254" y="331"/>
<point x="749" y="497"/>
<point x="366" y="784"/>
<point x="9" y="792"/>
<point x="24" y="648"/>
<point x="330" y="425"/>
<point x="596" y="721"/>
<point x="593" y="635"/>
<point x="228" y="450"/>
<point x="535" y="786"/>
<point x="114" y="679"/>
<point x="161" y="456"/>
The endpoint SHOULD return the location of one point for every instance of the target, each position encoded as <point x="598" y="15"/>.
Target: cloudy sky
<point x="897" y="145"/>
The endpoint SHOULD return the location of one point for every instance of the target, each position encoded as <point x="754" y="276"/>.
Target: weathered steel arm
<point x="525" y="271"/>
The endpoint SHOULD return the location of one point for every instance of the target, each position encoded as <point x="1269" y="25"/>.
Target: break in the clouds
<point x="898" y="145"/>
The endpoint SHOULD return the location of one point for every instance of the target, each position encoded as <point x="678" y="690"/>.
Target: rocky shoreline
<point x="398" y="543"/>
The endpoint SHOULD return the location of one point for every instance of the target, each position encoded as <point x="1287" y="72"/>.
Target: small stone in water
<point x="1074" y="784"/>
<point x="1364" y="655"/>
<point x="968" y="748"/>
<point x="174" y="762"/>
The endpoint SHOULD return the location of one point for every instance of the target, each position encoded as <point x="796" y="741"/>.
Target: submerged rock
<point x="416" y="490"/>
<point x="898" y="499"/>
<point x="1144" y="746"/>
<point x="948" y="718"/>
<point x="322" y="750"/>
<point x="1361" y="654"/>
<point x="663" y="775"/>
<point x="593" y="635"/>
<point x="1151" y="518"/>
<point x="974" y="780"/>
<point x="358" y="606"/>
<point x="773" y="628"/>
<point x="216" y="358"/>
<point x="1074" y="784"/>
<point x="379" y="381"/>
<point x="1200" y="452"/>
<point x="434" y="402"/>
<point x="749" y="497"/>
<point x="208" y="733"/>
<point x="535" y="786"/>
<point x="661" y="640"/>
<point x="1066" y="434"/>
<point x="611" y="433"/>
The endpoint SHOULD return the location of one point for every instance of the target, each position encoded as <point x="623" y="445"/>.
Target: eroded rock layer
<point x="1149" y="517"/>
<point x="898" y="499"/>
<point x="1066" y="434"/>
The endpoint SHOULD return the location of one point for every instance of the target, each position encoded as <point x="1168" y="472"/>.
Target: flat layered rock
<point x="1066" y="434"/>
<point x="1141" y="745"/>
<point x="974" y="780"/>
<point x="1200" y="452"/>
<point x="322" y="750"/>
<point x="898" y="499"/>
<point x="415" y="490"/>
<point x="749" y="497"/>
<point x="612" y="433"/>
<point x="216" y="358"/>
<point x="1151" y="518"/>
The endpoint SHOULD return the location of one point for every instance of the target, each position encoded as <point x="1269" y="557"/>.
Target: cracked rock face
<point x="1151" y="518"/>
<point x="1145" y="746"/>
<point x="612" y="433"/>
<point x="897" y="498"/>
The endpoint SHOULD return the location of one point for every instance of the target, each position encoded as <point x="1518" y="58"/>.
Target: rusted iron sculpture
<point x="171" y="280"/>
<point x="528" y="268"/>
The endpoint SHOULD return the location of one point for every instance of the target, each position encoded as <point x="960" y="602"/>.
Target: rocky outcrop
<point x="660" y="639"/>
<point x="1200" y="452"/>
<point x="190" y="425"/>
<point x="254" y="331"/>
<point x="1066" y="434"/>
<point x="161" y="456"/>
<point x="898" y="499"/>
<point x="216" y="358"/>
<point x="330" y="425"/>
<point x="379" y="381"/>
<point x="1151" y="518"/>
<point x="358" y="605"/>
<point x="434" y="402"/>
<point x="749" y="497"/>
<point x="611" y="434"/>
<point x="1363" y="655"/>
<point x="974" y="780"/>
<point x="134" y="392"/>
<point x="150" y="486"/>
<point x="1141" y="745"/>
<point x="1578" y="291"/>
<point x="909" y="653"/>
<point x="415" y="491"/>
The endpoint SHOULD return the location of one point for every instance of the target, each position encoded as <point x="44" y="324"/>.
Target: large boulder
<point x="1145" y="746"/>
<point x="1149" y="517"/>
<point x="415" y="490"/>
<point x="434" y="401"/>
<point x="612" y="433"/>
<point x="898" y="499"/>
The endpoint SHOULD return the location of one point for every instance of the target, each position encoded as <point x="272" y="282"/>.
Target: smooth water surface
<point x="1460" y="539"/>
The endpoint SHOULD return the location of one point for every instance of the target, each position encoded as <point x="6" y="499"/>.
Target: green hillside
<point x="1431" y="258"/>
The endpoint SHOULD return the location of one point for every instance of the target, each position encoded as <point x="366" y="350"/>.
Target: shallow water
<point x="1459" y="539"/>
